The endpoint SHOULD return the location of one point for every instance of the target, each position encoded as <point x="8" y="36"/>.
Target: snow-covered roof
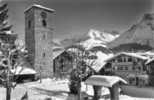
<point x="147" y="54"/>
<point x="57" y="53"/>
<point x="40" y="7"/>
<point x="97" y="66"/>
<point x="23" y="71"/>
<point x="101" y="80"/>
<point x="149" y="61"/>
<point x="136" y="55"/>
<point x="100" y="61"/>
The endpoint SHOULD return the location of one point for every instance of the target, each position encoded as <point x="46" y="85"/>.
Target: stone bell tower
<point x="38" y="38"/>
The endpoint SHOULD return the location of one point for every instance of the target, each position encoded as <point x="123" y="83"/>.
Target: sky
<point x="77" y="17"/>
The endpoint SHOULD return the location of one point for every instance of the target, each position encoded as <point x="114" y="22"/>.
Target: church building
<point x="38" y="38"/>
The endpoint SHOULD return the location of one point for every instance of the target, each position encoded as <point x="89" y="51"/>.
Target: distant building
<point x="150" y="68"/>
<point x="38" y="38"/>
<point x="130" y="66"/>
<point x="62" y="64"/>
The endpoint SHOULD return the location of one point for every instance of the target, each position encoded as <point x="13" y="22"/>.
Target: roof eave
<point x="40" y="7"/>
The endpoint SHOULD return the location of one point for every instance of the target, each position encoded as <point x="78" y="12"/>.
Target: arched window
<point x="44" y="17"/>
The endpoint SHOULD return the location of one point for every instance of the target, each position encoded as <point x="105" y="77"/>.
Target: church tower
<point x="38" y="38"/>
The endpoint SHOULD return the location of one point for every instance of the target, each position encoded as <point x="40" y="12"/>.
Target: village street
<point x="39" y="91"/>
<point x="57" y="90"/>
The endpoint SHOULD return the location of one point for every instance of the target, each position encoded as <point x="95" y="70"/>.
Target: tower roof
<point x="39" y="7"/>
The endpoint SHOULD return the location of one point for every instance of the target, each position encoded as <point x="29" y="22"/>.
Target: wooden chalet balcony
<point x="122" y="63"/>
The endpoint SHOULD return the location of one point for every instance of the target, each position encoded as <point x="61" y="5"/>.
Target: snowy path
<point x="57" y="90"/>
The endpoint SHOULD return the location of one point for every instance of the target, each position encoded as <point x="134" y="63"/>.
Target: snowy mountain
<point x="92" y="39"/>
<point x="97" y="38"/>
<point x="141" y="33"/>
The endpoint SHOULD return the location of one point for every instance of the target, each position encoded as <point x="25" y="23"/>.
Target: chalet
<point x="130" y="66"/>
<point x="62" y="64"/>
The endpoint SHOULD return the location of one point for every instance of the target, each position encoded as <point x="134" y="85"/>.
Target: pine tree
<point x="8" y="50"/>
<point x="6" y="38"/>
<point x="5" y="45"/>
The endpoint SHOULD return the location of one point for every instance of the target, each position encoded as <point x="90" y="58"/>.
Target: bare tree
<point x="82" y="62"/>
<point x="13" y="60"/>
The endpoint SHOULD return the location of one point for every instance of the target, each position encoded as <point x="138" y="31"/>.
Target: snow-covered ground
<point x="55" y="89"/>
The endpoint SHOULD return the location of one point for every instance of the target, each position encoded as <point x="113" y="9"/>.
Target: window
<point x="29" y="24"/>
<point x="5" y="62"/>
<point x="44" y="23"/>
<point x="144" y="68"/>
<point x="129" y="59"/>
<point x="43" y="55"/>
<point x="44" y="17"/>
<point x="126" y="68"/>
<point x="119" y="59"/>
<point x="131" y="80"/>
<point x="139" y="68"/>
<point x="124" y="59"/>
<point x="120" y="68"/>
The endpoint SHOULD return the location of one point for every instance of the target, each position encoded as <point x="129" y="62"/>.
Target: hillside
<point x="129" y="47"/>
<point x="140" y="33"/>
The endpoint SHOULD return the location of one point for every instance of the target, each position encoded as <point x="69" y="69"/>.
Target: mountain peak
<point x="142" y="33"/>
<point x="102" y="36"/>
<point x="98" y="38"/>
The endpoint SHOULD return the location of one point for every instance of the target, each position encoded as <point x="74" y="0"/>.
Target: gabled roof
<point x="136" y="55"/>
<point x="57" y="53"/>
